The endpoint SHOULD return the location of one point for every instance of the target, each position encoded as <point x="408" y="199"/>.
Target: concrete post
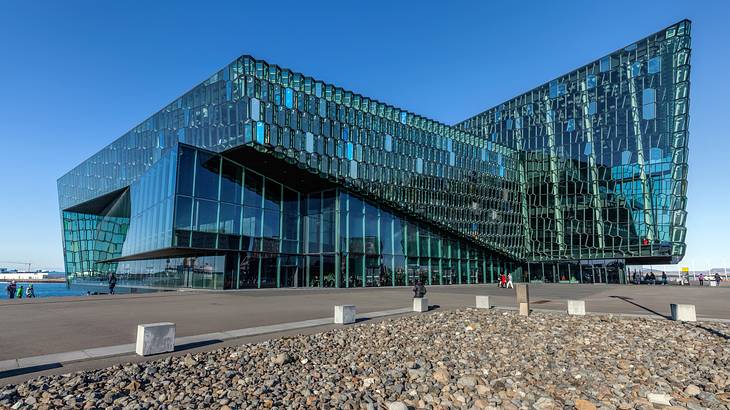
<point x="577" y="307"/>
<point x="523" y="298"/>
<point x="420" y="304"/>
<point x="524" y="309"/>
<point x="683" y="313"/>
<point x="483" y="302"/>
<point x="154" y="338"/>
<point x="344" y="314"/>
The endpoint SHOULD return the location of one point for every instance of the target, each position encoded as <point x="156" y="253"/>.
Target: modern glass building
<point x="264" y="177"/>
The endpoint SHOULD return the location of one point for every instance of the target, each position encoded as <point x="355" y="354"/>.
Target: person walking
<point x="717" y="278"/>
<point x="509" y="281"/>
<point x="419" y="290"/>
<point x="664" y="278"/>
<point x="30" y="292"/>
<point x="701" y="278"/>
<point x="19" y="293"/>
<point x="11" y="290"/>
<point x="502" y="281"/>
<point x="112" y="282"/>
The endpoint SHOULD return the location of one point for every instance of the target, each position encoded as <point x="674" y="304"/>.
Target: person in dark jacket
<point x="664" y="278"/>
<point x="11" y="288"/>
<point x="112" y="282"/>
<point x="419" y="290"/>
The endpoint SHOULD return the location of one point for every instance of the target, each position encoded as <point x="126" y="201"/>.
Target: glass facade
<point x="264" y="177"/>
<point x="604" y="152"/>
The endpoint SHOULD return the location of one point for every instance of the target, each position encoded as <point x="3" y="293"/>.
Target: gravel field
<point x="466" y="358"/>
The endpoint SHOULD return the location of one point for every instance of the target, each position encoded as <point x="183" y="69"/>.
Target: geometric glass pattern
<point x="264" y="177"/>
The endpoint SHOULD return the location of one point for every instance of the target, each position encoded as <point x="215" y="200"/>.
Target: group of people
<point x="649" y="278"/>
<point x="16" y="291"/>
<point x="505" y="281"/>
<point x="702" y="278"/>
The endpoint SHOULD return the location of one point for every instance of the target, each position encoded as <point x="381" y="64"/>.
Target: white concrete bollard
<point x="483" y="302"/>
<point x="420" y="304"/>
<point x="577" y="307"/>
<point x="524" y="309"/>
<point x="154" y="338"/>
<point x="344" y="314"/>
<point x="683" y="313"/>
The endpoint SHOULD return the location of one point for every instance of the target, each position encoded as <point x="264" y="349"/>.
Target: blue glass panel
<point x="309" y="142"/>
<point x="588" y="150"/>
<point x="649" y="96"/>
<point x="592" y="107"/>
<point x="260" y="132"/>
<point x="636" y="69"/>
<point x="289" y="98"/>
<point x="590" y="81"/>
<point x="419" y="165"/>
<point x="605" y="64"/>
<point x="649" y="112"/>
<point x="571" y="125"/>
<point x="626" y="157"/>
<point x="655" y="65"/>
<point x="349" y="151"/>
<point x="388" y="143"/>
<point x="255" y="109"/>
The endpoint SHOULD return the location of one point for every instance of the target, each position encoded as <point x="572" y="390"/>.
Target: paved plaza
<point x="56" y="325"/>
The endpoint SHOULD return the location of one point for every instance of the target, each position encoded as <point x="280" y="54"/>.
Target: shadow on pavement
<point x="629" y="300"/>
<point x="193" y="345"/>
<point x="26" y="370"/>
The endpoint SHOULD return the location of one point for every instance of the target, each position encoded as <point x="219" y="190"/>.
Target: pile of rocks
<point x="465" y="359"/>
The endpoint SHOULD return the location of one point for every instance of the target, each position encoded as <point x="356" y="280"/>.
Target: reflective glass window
<point x="255" y="109"/>
<point x="605" y="64"/>
<point x="289" y="98"/>
<point x="231" y="182"/>
<point x="590" y="81"/>
<point x="271" y="224"/>
<point x="290" y="201"/>
<point x="655" y="65"/>
<point x="253" y="189"/>
<point x="206" y="175"/>
<point x="186" y="171"/>
<point x="230" y="219"/>
<point x="251" y="223"/>
<point x="272" y="198"/>
<point x="206" y="216"/>
<point x="183" y="212"/>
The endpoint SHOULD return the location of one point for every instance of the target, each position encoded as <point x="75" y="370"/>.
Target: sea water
<point x="43" y="290"/>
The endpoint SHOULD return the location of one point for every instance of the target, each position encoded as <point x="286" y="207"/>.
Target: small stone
<point x="467" y="381"/>
<point x="659" y="398"/>
<point x="397" y="405"/>
<point x="190" y="361"/>
<point x="692" y="390"/>
<point x="132" y="386"/>
<point x="544" y="403"/>
<point x="581" y="404"/>
<point x="442" y="376"/>
<point x="281" y="358"/>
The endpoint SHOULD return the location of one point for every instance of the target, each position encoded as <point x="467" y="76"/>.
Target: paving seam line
<point x="109" y="351"/>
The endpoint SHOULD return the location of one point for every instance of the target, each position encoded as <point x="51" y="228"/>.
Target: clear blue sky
<point x="78" y="74"/>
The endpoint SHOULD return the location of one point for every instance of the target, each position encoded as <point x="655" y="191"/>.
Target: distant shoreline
<point x="48" y="280"/>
